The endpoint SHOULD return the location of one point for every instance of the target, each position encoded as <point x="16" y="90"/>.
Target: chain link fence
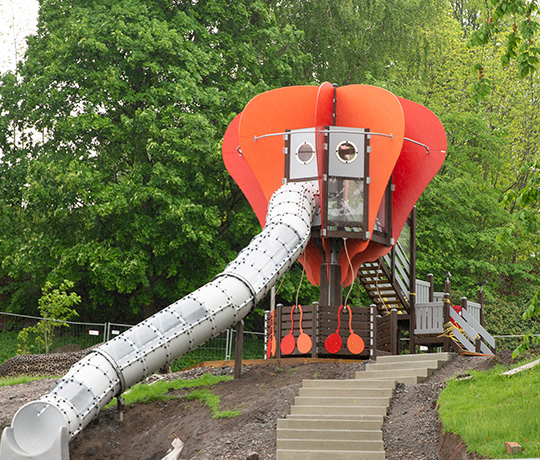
<point x="76" y="336"/>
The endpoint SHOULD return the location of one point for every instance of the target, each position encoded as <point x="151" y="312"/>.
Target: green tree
<point x="527" y="222"/>
<point x="354" y="42"/>
<point x="55" y="309"/>
<point x="111" y="147"/>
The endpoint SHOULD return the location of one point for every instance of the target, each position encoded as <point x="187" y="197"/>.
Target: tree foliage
<point x="55" y="309"/>
<point x="354" y="42"/>
<point x="111" y="166"/>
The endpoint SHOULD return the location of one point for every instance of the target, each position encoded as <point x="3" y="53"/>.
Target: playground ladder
<point x="385" y="290"/>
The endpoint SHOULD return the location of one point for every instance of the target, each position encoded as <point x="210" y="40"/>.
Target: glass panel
<point x="345" y="200"/>
<point x="305" y="153"/>
<point x="381" y="221"/>
<point x="405" y="238"/>
<point x="347" y="152"/>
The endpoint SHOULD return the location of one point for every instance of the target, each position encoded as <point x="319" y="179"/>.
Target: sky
<point x="18" y="18"/>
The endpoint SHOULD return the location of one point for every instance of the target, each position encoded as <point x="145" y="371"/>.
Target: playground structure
<point x="386" y="331"/>
<point x="332" y="174"/>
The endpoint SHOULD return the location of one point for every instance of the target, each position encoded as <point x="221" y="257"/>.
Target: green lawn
<point x="489" y="409"/>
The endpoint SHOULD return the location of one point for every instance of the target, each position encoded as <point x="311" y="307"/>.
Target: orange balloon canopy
<point x="253" y="154"/>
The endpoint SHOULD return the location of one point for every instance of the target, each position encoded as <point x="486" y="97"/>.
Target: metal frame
<point x="347" y="229"/>
<point x="386" y="237"/>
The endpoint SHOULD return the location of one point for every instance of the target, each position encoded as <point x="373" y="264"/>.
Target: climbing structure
<point x="370" y="155"/>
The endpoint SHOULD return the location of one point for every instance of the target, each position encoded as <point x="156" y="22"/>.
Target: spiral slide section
<point x="42" y="429"/>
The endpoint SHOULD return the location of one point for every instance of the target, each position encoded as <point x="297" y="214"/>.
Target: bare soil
<point x="263" y="395"/>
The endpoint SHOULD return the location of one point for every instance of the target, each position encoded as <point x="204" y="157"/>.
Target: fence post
<point x="238" y="349"/>
<point x="412" y="327"/>
<point x="315" y="330"/>
<point x="277" y="328"/>
<point x="481" y="302"/>
<point x="394" y="333"/>
<point x="464" y="303"/>
<point x="477" y="342"/>
<point x="431" y="287"/>
<point x="373" y="326"/>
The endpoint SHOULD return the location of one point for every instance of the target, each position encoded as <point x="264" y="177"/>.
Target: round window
<point x="346" y="152"/>
<point x="305" y="153"/>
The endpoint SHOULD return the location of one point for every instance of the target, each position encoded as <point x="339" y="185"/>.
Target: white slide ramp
<point x="42" y="429"/>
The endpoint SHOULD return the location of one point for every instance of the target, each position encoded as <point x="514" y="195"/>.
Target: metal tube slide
<point x="42" y="429"/>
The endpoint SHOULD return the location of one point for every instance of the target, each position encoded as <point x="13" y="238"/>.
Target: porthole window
<point x="346" y="152"/>
<point x="305" y="153"/>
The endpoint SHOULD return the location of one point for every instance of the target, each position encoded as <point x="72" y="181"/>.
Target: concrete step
<point x="350" y="383"/>
<point x="378" y="366"/>
<point x="339" y="417"/>
<point x="292" y="454"/>
<point x="329" y="444"/>
<point x="415" y="375"/>
<point x="338" y="410"/>
<point x="419" y="357"/>
<point x="327" y="423"/>
<point x="346" y="392"/>
<point x="326" y="434"/>
<point x="342" y="419"/>
<point x="338" y="401"/>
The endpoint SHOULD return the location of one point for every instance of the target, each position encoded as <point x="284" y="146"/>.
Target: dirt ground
<point x="263" y="394"/>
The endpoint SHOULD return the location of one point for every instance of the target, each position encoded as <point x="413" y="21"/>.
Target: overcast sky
<point x="18" y="18"/>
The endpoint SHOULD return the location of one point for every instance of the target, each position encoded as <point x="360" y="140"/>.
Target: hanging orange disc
<point x="355" y="344"/>
<point x="304" y="341"/>
<point x="288" y="343"/>
<point x="333" y="342"/>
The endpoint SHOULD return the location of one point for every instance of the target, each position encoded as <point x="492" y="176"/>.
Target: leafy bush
<point x="55" y="307"/>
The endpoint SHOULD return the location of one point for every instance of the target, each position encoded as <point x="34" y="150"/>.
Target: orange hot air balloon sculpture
<point x="366" y="149"/>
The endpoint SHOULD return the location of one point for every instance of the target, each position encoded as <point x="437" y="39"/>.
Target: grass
<point x="489" y="409"/>
<point x="8" y="347"/>
<point x="7" y="381"/>
<point x="212" y="401"/>
<point x="161" y="391"/>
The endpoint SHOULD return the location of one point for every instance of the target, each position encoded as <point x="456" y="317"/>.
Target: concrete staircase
<point x="342" y="419"/>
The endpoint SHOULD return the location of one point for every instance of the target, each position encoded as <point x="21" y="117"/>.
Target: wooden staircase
<point x="383" y="287"/>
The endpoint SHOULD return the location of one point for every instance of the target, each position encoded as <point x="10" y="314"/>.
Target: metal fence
<point x="80" y="335"/>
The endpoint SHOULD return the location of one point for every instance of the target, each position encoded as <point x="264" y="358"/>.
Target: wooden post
<point x="412" y="280"/>
<point x="393" y="264"/>
<point x="464" y="303"/>
<point x="277" y="328"/>
<point x="412" y="249"/>
<point x="481" y="302"/>
<point x="412" y="327"/>
<point x="477" y="342"/>
<point x="238" y="349"/>
<point x="315" y="330"/>
<point x="331" y="290"/>
<point x="394" y="333"/>
<point x="373" y="331"/>
<point x="431" y="287"/>
<point x="446" y="319"/>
